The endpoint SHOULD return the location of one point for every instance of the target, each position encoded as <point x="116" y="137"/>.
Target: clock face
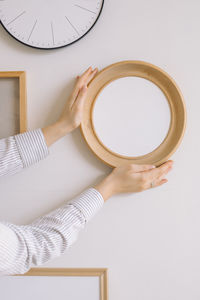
<point x="49" y="24"/>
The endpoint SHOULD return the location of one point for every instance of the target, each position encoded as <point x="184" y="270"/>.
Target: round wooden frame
<point x="168" y="87"/>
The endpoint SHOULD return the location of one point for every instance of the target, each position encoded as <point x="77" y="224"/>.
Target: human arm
<point x="24" y="246"/>
<point x="23" y="150"/>
<point x="71" y="115"/>
<point x="49" y="236"/>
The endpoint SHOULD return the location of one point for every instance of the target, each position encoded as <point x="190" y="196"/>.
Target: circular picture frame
<point x="173" y="95"/>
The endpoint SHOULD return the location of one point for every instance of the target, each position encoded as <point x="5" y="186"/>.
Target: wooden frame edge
<point x="21" y="75"/>
<point x="120" y="159"/>
<point x="102" y="273"/>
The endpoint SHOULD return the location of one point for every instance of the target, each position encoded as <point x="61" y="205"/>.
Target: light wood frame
<point x="167" y="86"/>
<point x="102" y="273"/>
<point x="21" y="75"/>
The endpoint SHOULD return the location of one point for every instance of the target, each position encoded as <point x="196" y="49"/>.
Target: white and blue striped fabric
<point x="24" y="246"/>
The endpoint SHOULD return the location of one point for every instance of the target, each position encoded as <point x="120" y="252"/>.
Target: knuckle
<point x="79" y="85"/>
<point x="133" y="167"/>
<point x="146" y="167"/>
<point x="129" y="173"/>
<point x="129" y="169"/>
<point x="79" y="81"/>
<point x="162" y="172"/>
<point x="143" y="178"/>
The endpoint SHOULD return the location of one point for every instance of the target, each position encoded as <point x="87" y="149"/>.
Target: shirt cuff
<point x="89" y="203"/>
<point x="32" y="147"/>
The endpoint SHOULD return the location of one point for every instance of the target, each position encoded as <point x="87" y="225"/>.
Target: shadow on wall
<point x="59" y="101"/>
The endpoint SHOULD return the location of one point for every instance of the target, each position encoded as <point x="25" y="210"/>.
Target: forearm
<point x="21" y="151"/>
<point x="47" y="237"/>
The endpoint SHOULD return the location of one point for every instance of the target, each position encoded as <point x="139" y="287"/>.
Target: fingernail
<point x="153" y="167"/>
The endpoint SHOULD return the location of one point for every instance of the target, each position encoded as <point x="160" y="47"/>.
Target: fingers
<point x="141" y="168"/>
<point x="79" y="103"/>
<point x="91" y="76"/>
<point x="159" y="182"/>
<point x="86" y="73"/>
<point x="86" y="77"/>
<point x="164" y="169"/>
<point x="82" y="80"/>
<point x="160" y="171"/>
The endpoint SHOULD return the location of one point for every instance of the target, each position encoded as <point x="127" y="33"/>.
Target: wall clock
<point x="49" y="24"/>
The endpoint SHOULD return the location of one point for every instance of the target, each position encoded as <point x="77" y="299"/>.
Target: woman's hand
<point x="71" y="116"/>
<point x="133" y="178"/>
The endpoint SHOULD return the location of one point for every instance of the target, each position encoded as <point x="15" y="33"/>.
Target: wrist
<point x="106" y="187"/>
<point x="63" y="128"/>
<point x="54" y="132"/>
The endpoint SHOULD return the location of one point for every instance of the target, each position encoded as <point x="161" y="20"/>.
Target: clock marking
<point x="16" y="17"/>
<point x="50" y="26"/>
<point x="32" y="30"/>
<point x="85" y="8"/>
<point x="72" y="25"/>
<point x="52" y="33"/>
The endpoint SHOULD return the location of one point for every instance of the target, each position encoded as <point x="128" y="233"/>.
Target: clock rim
<point x="59" y="47"/>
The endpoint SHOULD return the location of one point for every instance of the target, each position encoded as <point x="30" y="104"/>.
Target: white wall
<point x="151" y="241"/>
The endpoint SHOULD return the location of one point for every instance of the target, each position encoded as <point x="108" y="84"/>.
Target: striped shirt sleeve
<point x="22" y="247"/>
<point x="21" y="151"/>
